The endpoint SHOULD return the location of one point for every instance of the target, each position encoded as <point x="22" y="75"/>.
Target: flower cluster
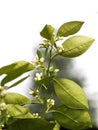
<point x="38" y="62"/>
<point x="2" y="107"/>
<point x="3" y="91"/>
<point x="45" y="44"/>
<point x="35" y="93"/>
<point x="36" y="115"/>
<point x="38" y="76"/>
<point x="53" y="71"/>
<point x="60" y="48"/>
<point x="50" y="103"/>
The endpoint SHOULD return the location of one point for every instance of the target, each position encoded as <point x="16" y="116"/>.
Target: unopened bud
<point x="42" y="59"/>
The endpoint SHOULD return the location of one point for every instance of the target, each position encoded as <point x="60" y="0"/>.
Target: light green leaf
<point x="15" y="98"/>
<point x="70" y="93"/>
<point x="31" y="124"/>
<point x="69" y="28"/>
<point x="47" y="32"/>
<point x="14" y="70"/>
<point x="16" y="111"/>
<point x="76" y="46"/>
<point x="72" y="118"/>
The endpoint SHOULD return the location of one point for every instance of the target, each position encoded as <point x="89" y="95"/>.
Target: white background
<point x="22" y="20"/>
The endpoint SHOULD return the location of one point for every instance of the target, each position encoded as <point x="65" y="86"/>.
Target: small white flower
<point x="60" y="48"/>
<point x="56" y="70"/>
<point x="50" y="102"/>
<point x="38" y="76"/>
<point x="31" y="92"/>
<point x="36" y="115"/>
<point x="35" y="60"/>
<point x="51" y="68"/>
<point x="8" y="116"/>
<point x="3" y="91"/>
<point x="42" y="59"/>
<point x="2" y="106"/>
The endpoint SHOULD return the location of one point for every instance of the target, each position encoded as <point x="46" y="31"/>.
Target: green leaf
<point x="16" y="111"/>
<point x="69" y="28"/>
<point x="39" y="54"/>
<point x="15" y="98"/>
<point x="45" y="80"/>
<point x="18" y="82"/>
<point x="2" y="116"/>
<point x="72" y="118"/>
<point x="47" y="32"/>
<point x="14" y="70"/>
<point x="70" y="93"/>
<point x="31" y="124"/>
<point x="76" y="46"/>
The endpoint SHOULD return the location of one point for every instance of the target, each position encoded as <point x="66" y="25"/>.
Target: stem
<point x="57" y="126"/>
<point x="49" y="60"/>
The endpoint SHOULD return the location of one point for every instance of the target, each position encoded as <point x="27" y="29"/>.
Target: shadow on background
<point x="66" y="67"/>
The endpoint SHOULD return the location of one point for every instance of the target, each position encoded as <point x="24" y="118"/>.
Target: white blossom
<point x="56" y="70"/>
<point x="2" y="106"/>
<point x="36" y="115"/>
<point x="42" y="59"/>
<point x="50" y="102"/>
<point x="60" y="48"/>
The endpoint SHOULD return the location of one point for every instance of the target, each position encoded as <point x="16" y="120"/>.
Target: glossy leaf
<point x="69" y="28"/>
<point x="47" y="32"/>
<point x="31" y="124"/>
<point x="76" y="46"/>
<point x="72" y="118"/>
<point x="15" y="98"/>
<point x="70" y="93"/>
<point x="14" y="70"/>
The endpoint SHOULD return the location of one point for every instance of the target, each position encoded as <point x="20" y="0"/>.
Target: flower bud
<point x="50" y="102"/>
<point x="56" y="70"/>
<point x="2" y="106"/>
<point x="42" y="59"/>
<point x="36" y="115"/>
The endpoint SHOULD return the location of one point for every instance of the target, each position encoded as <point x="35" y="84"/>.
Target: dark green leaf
<point x="76" y="46"/>
<point x="69" y="28"/>
<point x="47" y="32"/>
<point x="14" y="70"/>
<point x="19" y="81"/>
<point x="72" y="118"/>
<point x="31" y="124"/>
<point x="70" y="93"/>
<point x="45" y="80"/>
<point x="15" y="98"/>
